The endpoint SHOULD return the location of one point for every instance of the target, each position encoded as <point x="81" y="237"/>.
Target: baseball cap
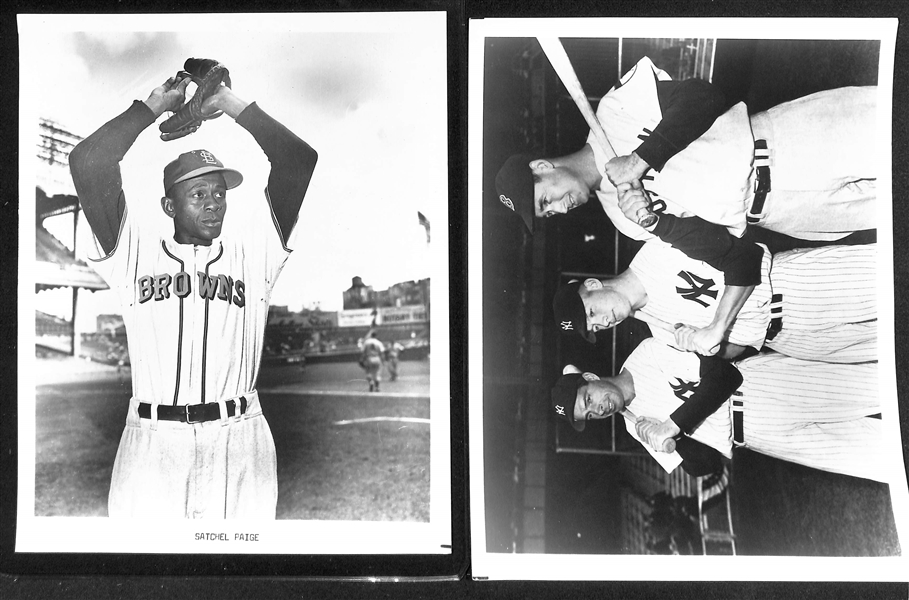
<point x="568" y="310"/>
<point x="514" y="185"/>
<point x="564" y="394"/>
<point x="196" y="163"/>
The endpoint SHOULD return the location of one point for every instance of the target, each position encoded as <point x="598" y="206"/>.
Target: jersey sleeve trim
<point x="108" y="255"/>
<point x="274" y="222"/>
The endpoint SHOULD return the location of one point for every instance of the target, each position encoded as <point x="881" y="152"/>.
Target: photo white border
<point x="493" y="565"/>
<point x="290" y="537"/>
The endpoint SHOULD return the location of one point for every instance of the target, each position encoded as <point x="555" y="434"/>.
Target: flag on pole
<point x="425" y="223"/>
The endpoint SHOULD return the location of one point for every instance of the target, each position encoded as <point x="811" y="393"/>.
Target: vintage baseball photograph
<point x="681" y="300"/>
<point x="273" y="378"/>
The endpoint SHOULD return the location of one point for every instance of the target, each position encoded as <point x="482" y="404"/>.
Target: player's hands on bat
<point x="705" y="341"/>
<point x="633" y="200"/>
<point x="169" y="96"/>
<point x="625" y="169"/>
<point x="655" y="433"/>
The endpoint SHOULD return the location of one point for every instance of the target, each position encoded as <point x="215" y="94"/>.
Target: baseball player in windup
<point x="196" y="443"/>
<point x="805" y="168"/>
<point x="821" y="415"/>
<point x="704" y="290"/>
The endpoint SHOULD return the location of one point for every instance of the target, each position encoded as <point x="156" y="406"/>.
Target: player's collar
<point x="189" y="251"/>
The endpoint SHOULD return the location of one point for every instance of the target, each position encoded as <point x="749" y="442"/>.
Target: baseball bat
<point x="661" y="324"/>
<point x="653" y="321"/>
<point x="555" y="52"/>
<point x="668" y="443"/>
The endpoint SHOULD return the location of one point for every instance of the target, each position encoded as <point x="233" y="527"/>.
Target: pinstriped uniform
<point x="812" y="413"/>
<point x="823" y="300"/>
<point x="807" y="412"/>
<point x="195" y="318"/>
<point x="829" y="303"/>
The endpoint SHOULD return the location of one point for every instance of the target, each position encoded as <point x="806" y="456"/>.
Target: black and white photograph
<point x="270" y="379"/>
<point x="681" y="300"/>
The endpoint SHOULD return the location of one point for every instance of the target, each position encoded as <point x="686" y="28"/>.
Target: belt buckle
<point x="189" y="420"/>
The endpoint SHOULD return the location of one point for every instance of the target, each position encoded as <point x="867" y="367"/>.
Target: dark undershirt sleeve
<point x="719" y="378"/>
<point x="292" y="164"/>
<point x="698" y="459"/>
<point x="689" y="109"/>
<point x="738" y="258"/>
<point x="95" y="168"/>
<point x="780" y="242"/>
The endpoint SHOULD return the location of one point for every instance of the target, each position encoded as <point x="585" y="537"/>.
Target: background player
<point x="371" y="359"/>
<point x="817" y="414"/>
<point x="803" y="168"/>
<point x="392" y="352"/>
<point x="195" y="443"/>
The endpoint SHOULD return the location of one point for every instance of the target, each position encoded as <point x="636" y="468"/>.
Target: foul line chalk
<point x="375" y="419"/>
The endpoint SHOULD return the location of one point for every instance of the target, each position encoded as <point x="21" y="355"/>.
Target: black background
<point x="118" y="576"/>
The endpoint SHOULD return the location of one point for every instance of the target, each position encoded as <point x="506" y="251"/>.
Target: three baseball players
<point x="709" y="175"/>
<point x="196" y="443"/>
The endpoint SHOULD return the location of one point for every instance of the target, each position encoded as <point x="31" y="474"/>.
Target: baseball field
<point x="343" y="453"/>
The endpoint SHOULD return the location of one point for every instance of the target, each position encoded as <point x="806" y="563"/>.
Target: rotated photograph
<point x="680" y="279"/>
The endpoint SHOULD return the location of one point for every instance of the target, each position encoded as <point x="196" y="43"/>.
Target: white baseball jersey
<point x="195" y="315"/>
<point x="824" y="299"/>
<point x="373" y="347"/>
<point x="711" y="178"/>
<point x="195" y="320"/>
<point x="683" y="290"/>
<point x="819" y="154"/>
<point x="812" y="413"/>
<point x="664" y="378"/>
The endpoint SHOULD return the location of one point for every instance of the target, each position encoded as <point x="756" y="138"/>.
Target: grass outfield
<point x="374" y="470"/>
<point x="369" y="470"/>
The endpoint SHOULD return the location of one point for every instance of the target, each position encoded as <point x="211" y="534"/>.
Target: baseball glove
<point x="208" y="75"/>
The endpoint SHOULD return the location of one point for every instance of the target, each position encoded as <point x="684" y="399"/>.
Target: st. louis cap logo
<point x="567" y="326"/>
<point x="208" y="157"/>
<point x="560" y="409"/>
<point x="506" y="201"/>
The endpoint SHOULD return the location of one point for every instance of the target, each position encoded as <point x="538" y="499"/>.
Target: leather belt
<point x="193" y="413"/>
<point x="738" y="404"/>
<point x="776" y="317"/>
<point x="762" y="184"/>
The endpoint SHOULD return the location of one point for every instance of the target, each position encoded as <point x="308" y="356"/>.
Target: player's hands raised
<point x="705" y="341"/>
<point x="625" y="169"/>
<point x="226" y="100"/>
<point x="169" y="96"/>
<point x="655" y="433"/>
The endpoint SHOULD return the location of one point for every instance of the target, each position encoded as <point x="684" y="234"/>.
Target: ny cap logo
<point x="567" y="326"/>
<point x="506" y="201"/>
<point x="208" y="157"/>
<point x="560" y="409"/>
